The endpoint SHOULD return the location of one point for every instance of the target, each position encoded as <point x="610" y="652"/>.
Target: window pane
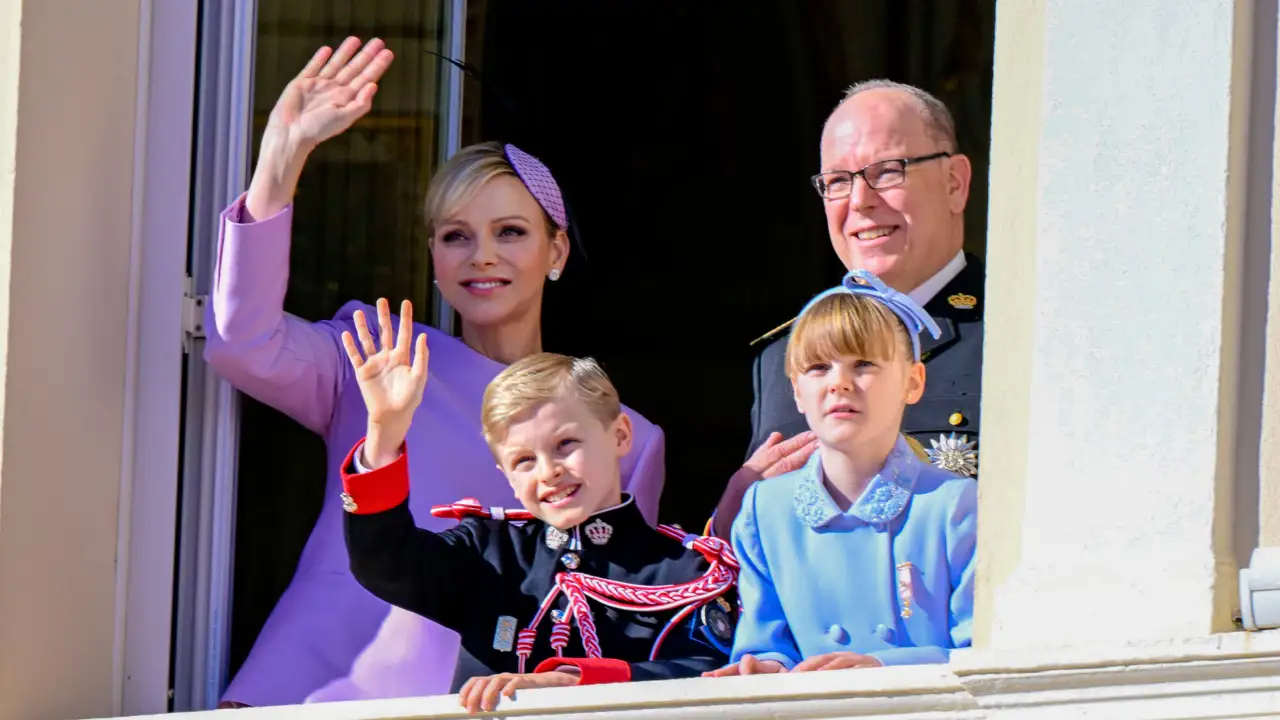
<point x="358" y="233"/>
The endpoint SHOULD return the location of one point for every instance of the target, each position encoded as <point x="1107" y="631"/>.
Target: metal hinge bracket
<point x="192" y="314"/>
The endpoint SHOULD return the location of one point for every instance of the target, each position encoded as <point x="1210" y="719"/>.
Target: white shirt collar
<point x="923" y="294"/>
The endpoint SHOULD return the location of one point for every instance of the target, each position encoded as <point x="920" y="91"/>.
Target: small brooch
<point x="904" y="588"/>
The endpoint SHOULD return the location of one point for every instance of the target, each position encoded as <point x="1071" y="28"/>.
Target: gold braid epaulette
<point x="916" y="447"/>
<point x="774" y="331"/>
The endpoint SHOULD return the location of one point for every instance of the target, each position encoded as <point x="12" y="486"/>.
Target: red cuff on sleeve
<point x="595" y="671"/>
<point x="375" y="491"/>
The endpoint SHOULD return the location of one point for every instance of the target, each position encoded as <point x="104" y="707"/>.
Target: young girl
<point x="863" y="557"/>
<point x="498" y="234"/>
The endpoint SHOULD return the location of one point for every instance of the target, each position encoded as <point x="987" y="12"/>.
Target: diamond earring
<point x="554" y="275"/>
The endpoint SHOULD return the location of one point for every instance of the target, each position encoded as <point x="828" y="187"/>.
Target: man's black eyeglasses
<point x="835" y="184"/>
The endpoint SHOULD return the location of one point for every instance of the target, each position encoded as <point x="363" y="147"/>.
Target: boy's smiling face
<point x="849" y="400"/>
<point x="563" y="462"/>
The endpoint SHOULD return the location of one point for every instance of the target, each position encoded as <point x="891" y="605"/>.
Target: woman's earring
<point x="554" y="275"/>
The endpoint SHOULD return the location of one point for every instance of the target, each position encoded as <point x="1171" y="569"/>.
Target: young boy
<point x="864" y="556"/>
<point x="576" y="588"/>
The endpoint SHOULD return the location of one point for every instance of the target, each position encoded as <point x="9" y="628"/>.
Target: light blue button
<point x="885" y="633"/>
<point x="838" y="635"/>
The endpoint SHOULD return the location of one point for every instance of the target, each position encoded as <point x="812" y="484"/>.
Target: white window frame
<point x="212" y="412"/>
<point x="206" y="545"/>
<point x="455" y="22"/>
<point x="147" y="512"/>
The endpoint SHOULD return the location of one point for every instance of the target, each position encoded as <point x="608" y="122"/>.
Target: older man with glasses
<point x="894" y="187"/>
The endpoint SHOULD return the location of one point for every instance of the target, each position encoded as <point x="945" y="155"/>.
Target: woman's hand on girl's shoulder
<point x="777" y="456"/>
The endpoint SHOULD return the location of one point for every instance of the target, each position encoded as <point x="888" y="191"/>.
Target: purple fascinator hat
<point x="541" y="184"/>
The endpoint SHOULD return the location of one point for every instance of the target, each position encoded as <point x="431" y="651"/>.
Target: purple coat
<point x="327" y="638"/>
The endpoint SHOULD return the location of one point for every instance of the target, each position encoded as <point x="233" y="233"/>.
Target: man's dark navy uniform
<point x="953" y="381"/>
<point x="492" y="575"/>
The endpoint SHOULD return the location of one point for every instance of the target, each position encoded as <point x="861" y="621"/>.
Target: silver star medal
<point x="954" y="453"/>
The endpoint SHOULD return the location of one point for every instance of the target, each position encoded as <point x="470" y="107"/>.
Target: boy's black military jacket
<point x="486" y="579"/>
<point x="953" y="383"/>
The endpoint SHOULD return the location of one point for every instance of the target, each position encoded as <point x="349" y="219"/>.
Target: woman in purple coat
<point x="498" y="233"/>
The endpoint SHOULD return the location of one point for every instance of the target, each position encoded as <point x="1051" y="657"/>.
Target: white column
<point x="1269" y="454"/>
<point x="1112" y="342"/>
<point x="1259" y="601"/>
<point x="68" y="85"/>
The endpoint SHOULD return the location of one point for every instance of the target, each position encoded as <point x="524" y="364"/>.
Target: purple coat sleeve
<point x="293" y="365"/>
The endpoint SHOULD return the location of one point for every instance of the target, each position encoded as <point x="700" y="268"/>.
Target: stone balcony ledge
<point x="1223" y="676"/>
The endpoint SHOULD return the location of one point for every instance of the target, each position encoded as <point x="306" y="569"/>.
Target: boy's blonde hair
<point x="846" y="325"/>
<point x="538" y="378"/>
<point x="462" y="175"/>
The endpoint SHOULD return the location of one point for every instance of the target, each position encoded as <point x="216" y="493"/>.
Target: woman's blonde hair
<point x="846" y="325"/>
<point x="462" y="175"/>
<point x="538" y="378"/>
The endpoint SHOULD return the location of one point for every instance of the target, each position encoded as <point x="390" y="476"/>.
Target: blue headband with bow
<point x="861" y="282"/>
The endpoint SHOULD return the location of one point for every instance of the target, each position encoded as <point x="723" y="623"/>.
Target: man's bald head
<point x="938" y="123"/>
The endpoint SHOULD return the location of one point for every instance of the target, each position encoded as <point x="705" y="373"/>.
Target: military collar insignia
<point x="955" y="453"/>
<point x="556" y="538"/>
<point x="963" y="301"/>
<point x="884" y="498"/>
<point x="599" y="531"/>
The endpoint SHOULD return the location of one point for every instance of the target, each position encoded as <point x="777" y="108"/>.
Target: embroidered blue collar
<point x="884" y="498"/>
